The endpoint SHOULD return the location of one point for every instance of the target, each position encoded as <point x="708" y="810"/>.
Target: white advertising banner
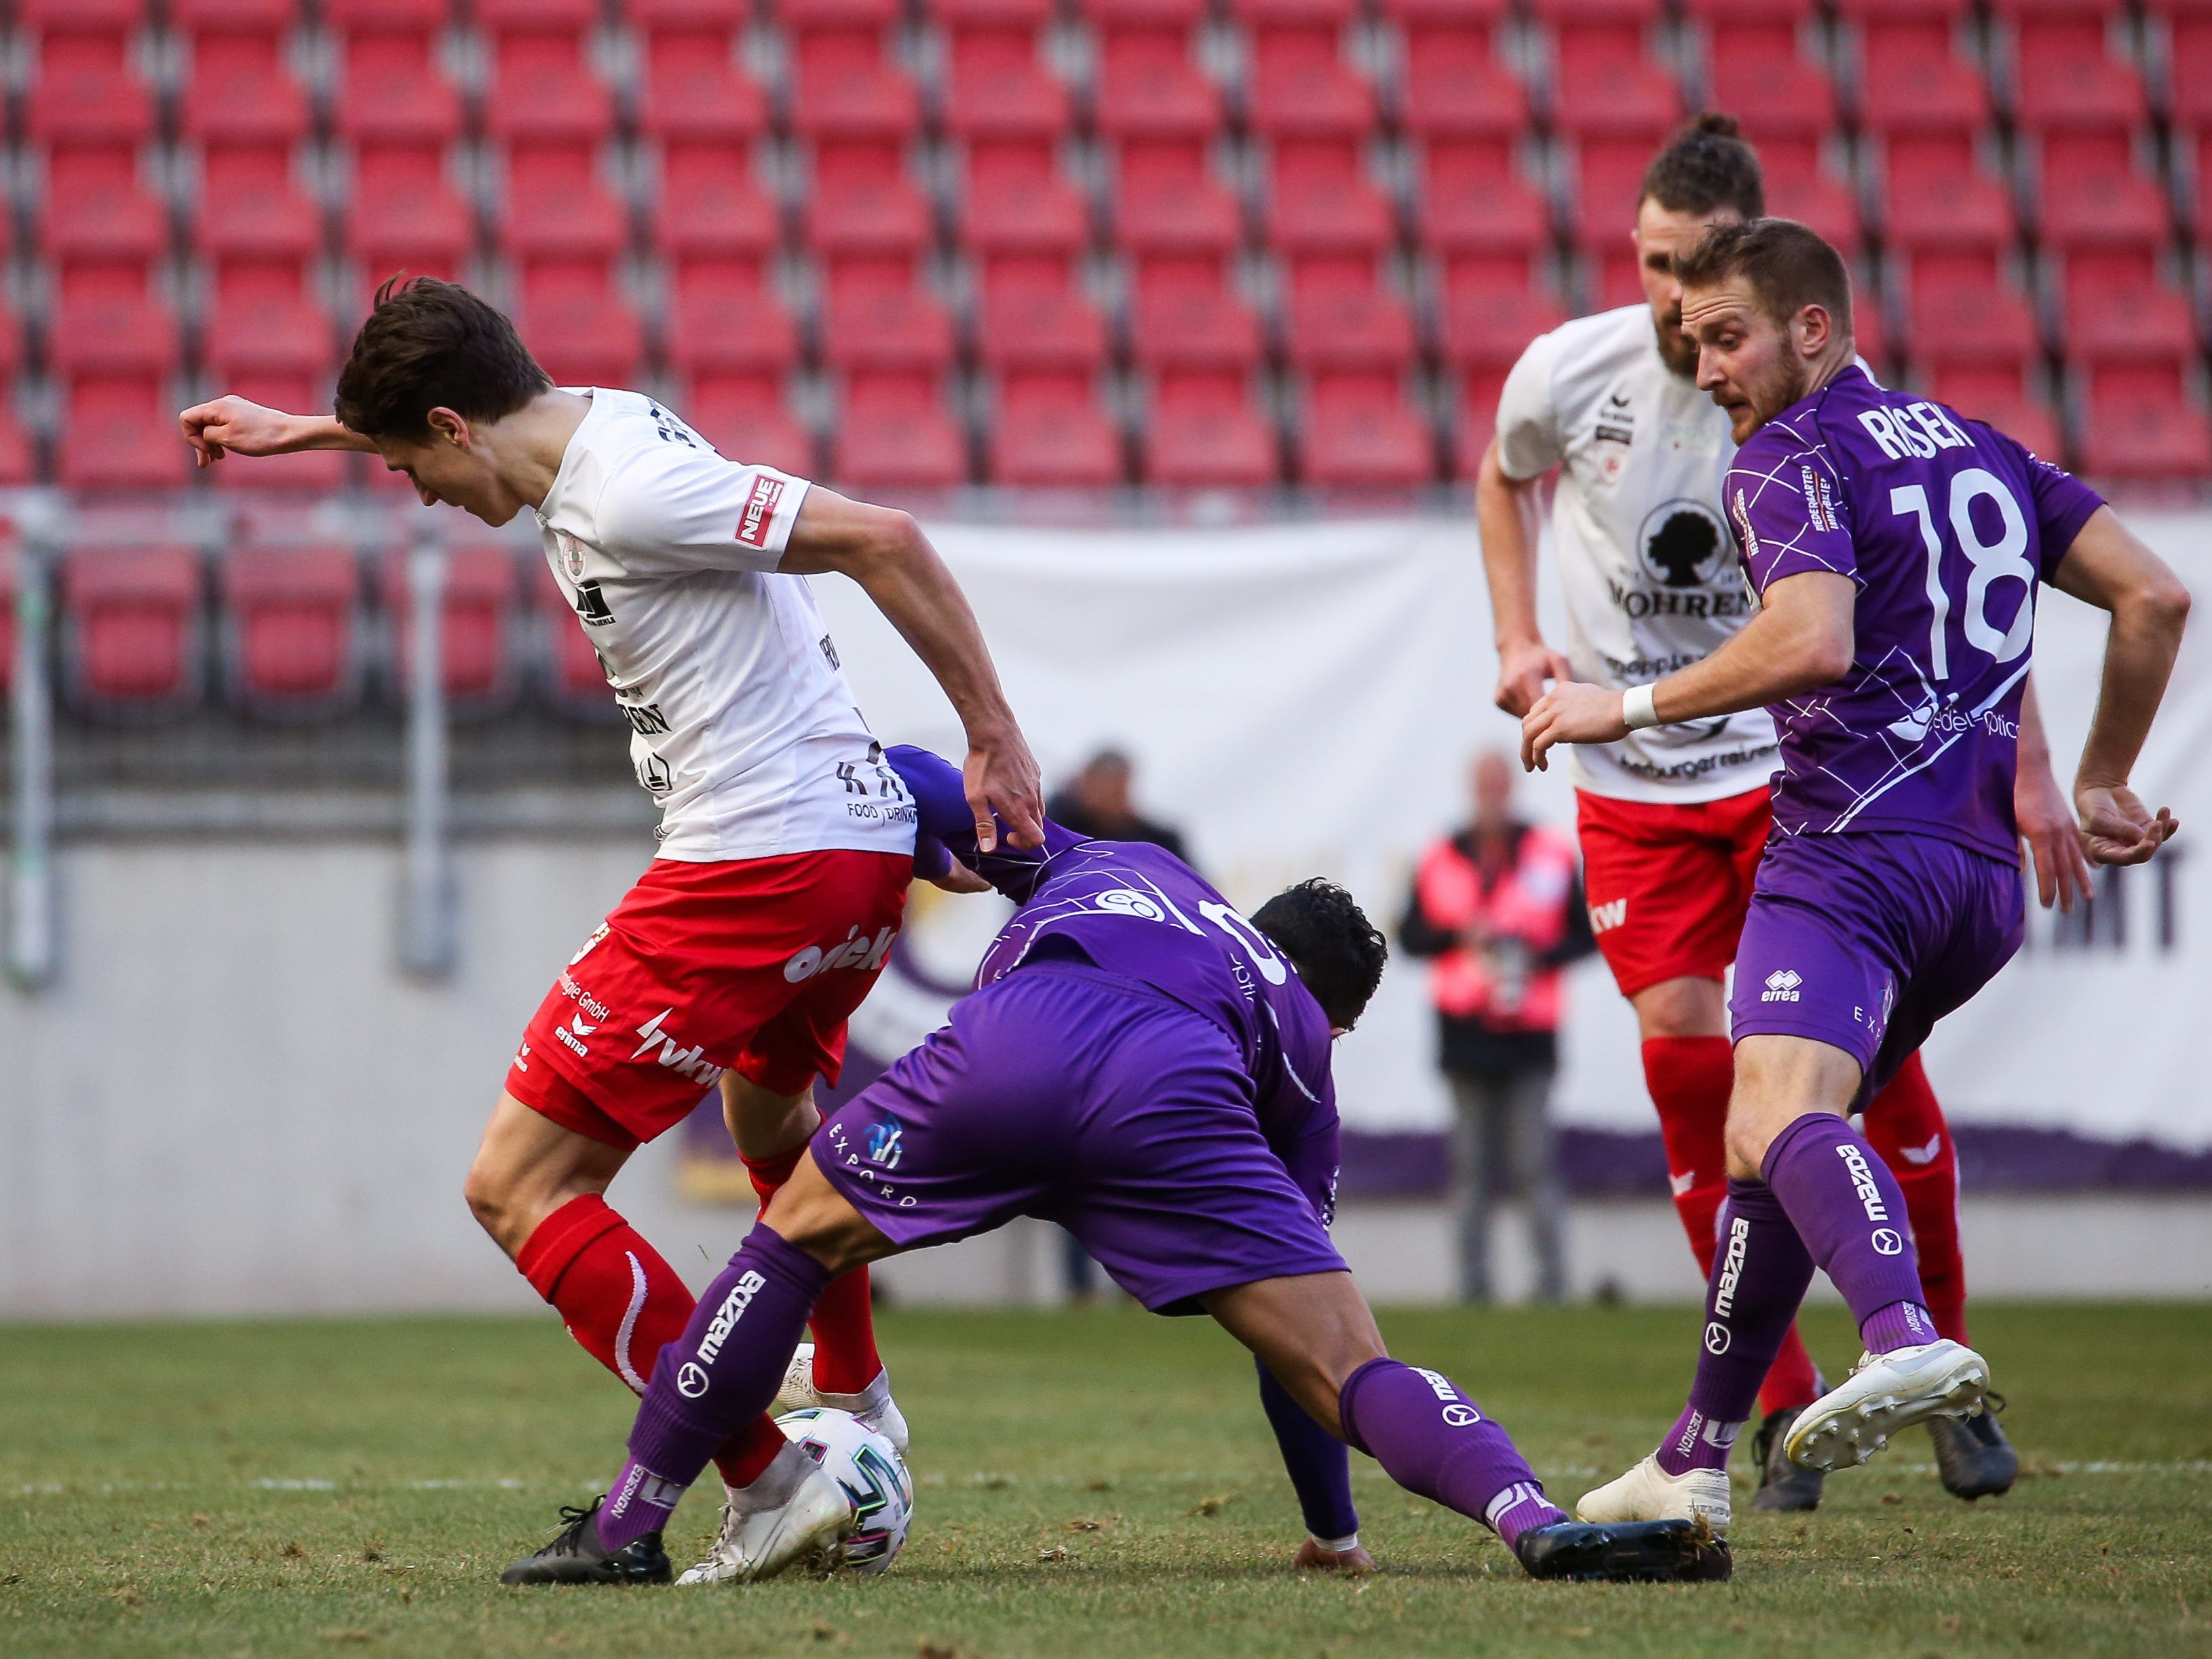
<point x="1304" y="699"/>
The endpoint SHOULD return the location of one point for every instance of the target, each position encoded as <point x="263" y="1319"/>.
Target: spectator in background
<point x="1098" y="801"/>
<point x="1498" y="910"/>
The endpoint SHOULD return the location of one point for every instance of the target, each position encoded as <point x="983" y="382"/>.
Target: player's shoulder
<point x="1594" y="350"/>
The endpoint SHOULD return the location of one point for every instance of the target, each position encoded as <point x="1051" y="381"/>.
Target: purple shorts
<point x="1094" y="1101"/>
<point x="1864" y="941"/>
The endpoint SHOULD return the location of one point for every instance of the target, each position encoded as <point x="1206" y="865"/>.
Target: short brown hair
<point x="1787" y="265"/>
<point x="1705" y="166"/>
<point x="429" y="344"/>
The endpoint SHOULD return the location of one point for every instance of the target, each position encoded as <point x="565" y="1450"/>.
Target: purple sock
<point x="1900" y="1325"/>
<point x="726" y="1368"/>
<point x="1849" y="1210"/>
<point x="1429" y="1438"/>
<point x="638" y="1502"/>
<point x="1761" y="1272"/>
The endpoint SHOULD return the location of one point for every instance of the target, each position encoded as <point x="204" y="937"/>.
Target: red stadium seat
<point x="998" y="86"/>
<point x="120" y="434"/>
<point x="1184" y="314"/>
<point x="1018" y="200"/>
<point x="725" y="319"/>
<point x="1361" y="430"/>
<point x="316" y="472"/>
<point x="1300" y="84"/>
<point x="744" y="417"/>
<point x="2092" y="193"/>
<point x="393" y="87"/>
<point x="2115" y="309"/>
<point x="1491" y="309"/>
<point x="575" y="15"/>
<point x="1422" y="13"/>
<point x="1204" y="432"/>
<point x="1588" y="12"/>
<point x="263" y="318"/>
<point x="115" y="17"/>
<point x="542" y="87"/>
<point x="11" y="576"/>
<point x="2139" y="422"/>
<point x="2189" y="67"/>
<point x="98" y="205"/>
<point x="1322" y="198"/>
<point x="1471" y="197"/>
<point x="476" y="627"/>
<point x="1051" y="430"/>
<point x="878" y="317"/>
<point x="291" y="629"/>
<point x="1759" y="75"/>
<point x="575" y="679"/>
<point x="18" y="464"/>
<point x="11" y="360"/>
<point x="1609" y="182"/>
<point x="1149" y="87"/>
<point x="1031" y="314"/>
<point x="1340" y="317"/>
<point x="713" y="204"/>
<point x="893" y="433"/>
<point x="1113" y="15"/>
<point x="1962" y="311"/>
<point x="406" y="213"/>
<point x="1912" y="79"/>
<point x="864" y="200"/>
<point x="811" y="15"/>
<point x="419" y="15"/>
<point x="108" y="322"/>
<point x="579" y="325"/>
<point x="1474" y="422"/>
<point x="844" y="85"/>
<point x="1618" y="283"/>
<point x="133" y="642"/>
<point x="694" y="89"/>
<point x="1453" y="84"/>
<point x="87" y="91"/>
<point x="963" y="15"/>
<point x="1799" y="186"/>
<point x="1936" y="195"/>
<point x="2066" y="76"/>
<point x="1603" y="84"/>
<point x="1310" y="14"/>
<point x="251" y="205"/>
<point x="558" y="206"/>
<point x="1169" y="198"/>
<point x="241" y="86"/>
<point x="2002" y="397"/>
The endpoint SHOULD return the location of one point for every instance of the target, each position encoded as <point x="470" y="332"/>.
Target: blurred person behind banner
<point x="1497" y="909"/>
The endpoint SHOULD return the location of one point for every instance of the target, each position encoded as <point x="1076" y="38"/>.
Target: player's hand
<point x="1569" y="712"/>
<point x="1001" y="775"/>
<point x="1522" y="669"/>
<point x="2051" y="837"/>
<point x="2116" y="828"/>
<point x="214" y="430"/>
<point x="960" y="880"/>
<point x="1312" y="1557"/>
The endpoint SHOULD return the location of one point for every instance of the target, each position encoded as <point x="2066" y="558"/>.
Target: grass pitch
<point x="1095" y="1483"/>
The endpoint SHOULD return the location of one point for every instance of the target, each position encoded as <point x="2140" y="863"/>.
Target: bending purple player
<point x="1896" y="548"/>
<point x="1150" y="1069"/>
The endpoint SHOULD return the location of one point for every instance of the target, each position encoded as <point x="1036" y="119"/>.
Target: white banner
<point x="1303" y="699"/>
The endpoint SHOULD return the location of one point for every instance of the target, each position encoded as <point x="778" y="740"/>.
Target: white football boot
<point x="873" y="1405"/>
<point x="1884" y="1393"/>
<point x="795" y="1515"/>
<point x="1648" y="1493"/>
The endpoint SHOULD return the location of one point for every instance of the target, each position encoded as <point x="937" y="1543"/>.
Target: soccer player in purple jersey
<point x="1150" y="1069"/>
<point x="1896" y="548"/>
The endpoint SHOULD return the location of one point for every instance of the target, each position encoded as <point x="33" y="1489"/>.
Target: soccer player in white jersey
<point x="1673" y="819"/>
<point x="786" y="843"/>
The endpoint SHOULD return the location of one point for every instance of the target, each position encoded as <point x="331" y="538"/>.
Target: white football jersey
<point x="741" y="724"/>
<point x="1650" y="574"/>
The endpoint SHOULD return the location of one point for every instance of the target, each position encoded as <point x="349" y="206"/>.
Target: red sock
<point x="1904" y="1124"/>
<point x="1690" y="1080"/>
<point x="844" y="1322"/>
<point x="623" y="1302"/>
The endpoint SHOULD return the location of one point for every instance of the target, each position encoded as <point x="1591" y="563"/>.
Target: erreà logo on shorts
<point x="1862" y="1183"/>
<point x="727" y="1316"/>
<point x="1782" y="986"/>
<point x="760" y="511"/>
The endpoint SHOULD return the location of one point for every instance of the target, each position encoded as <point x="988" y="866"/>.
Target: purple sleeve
<point x="1786" y="505"/>
<point x="2062" y="502"/>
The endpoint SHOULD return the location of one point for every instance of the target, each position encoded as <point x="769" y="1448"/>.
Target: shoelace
<point x="570" y="1538"/>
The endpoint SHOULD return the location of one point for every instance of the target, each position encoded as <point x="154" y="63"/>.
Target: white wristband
<point x="1637" y="708"/>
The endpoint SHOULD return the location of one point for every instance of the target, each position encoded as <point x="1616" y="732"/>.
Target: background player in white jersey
<point x="1673" y="819"/>
<point x="785" y="843"/>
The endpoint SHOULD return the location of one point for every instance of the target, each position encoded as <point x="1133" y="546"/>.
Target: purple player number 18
<point x="1993" y="562"/>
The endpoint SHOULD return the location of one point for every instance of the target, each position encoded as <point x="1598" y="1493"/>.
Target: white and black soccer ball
<point x="872" y="1474"/>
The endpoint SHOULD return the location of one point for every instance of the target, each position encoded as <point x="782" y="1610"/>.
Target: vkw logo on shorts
<point x="1782" y="986"/>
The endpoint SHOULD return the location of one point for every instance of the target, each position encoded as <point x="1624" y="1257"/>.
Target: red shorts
<point x="1668" y="885"/>
<point x="752" y="965"/>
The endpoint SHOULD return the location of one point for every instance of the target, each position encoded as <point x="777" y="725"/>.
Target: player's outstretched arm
<point x="1801" y="638"/>
<point x="2044" y="814"/>
<point x="2108" y="566"/>
<point x="228" y="425"/>
<point x="885" y="552"/>
<point x="1505" y="514"/>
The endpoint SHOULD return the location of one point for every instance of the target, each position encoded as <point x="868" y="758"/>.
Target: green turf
<point x="1097" y="1483"/>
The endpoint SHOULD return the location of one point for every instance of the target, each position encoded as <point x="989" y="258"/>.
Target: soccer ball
<point x="872" y="1474"/>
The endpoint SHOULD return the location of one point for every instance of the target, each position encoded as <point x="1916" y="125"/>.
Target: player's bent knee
<point x="810" y="1213"/>
<point x="1685" y="1007"/>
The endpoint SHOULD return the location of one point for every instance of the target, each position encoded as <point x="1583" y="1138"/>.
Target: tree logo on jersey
<point x="1683" y="545"/>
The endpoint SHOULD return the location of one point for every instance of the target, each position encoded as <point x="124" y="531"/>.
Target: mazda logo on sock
<point x="690" y="1380"/>
<point x="1717" y="1338"/>
<point x="1886" y="1242"/>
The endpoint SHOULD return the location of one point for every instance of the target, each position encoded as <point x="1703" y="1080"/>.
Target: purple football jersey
<point x="1945" y="525"/>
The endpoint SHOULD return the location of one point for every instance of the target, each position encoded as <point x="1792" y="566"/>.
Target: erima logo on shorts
<point x="855" y="950"/>
<point x="760" y="511"/>
<point x="1782" y="986"/>
<point x="1862" y="1183"/>
<point x="1611" y="914"/>
<point x="727" y="1316"/>
<point x="685" y="1062"/>
<point x="1731" y="1267"/>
